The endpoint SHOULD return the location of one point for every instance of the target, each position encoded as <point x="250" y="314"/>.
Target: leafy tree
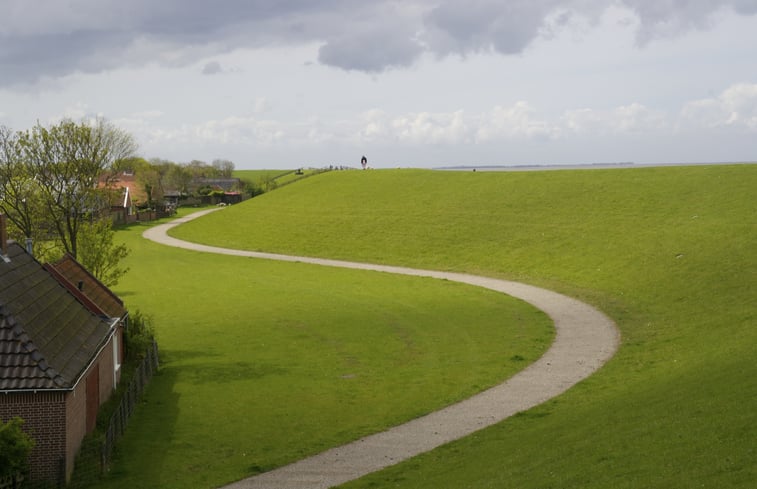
<point x="15" y="447"/>
<point x="67" y="161"/>
<point x="21" y="196"/>
<point x="267" y="183"/>
<point x="49" y="190"/>
<point x="15" y="182"/>
<point x="99" y="254"/>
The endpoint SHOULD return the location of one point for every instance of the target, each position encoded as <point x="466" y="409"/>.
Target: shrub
<point x="139" y="333"/>
<point x="15" y="447"/>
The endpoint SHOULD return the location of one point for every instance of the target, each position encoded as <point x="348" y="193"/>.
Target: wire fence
<point x="120" y="418"/>
<point x="94" y="457"/>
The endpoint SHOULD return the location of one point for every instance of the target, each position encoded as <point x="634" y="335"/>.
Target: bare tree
<point x="224" y="168"/>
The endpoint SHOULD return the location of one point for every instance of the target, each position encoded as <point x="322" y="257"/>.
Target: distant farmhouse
<point x="61" y="349"/>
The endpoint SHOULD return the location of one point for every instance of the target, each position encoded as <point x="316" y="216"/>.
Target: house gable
<point x="79" y="281"/>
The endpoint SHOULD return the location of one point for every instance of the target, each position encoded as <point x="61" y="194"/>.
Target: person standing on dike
<point x="364" y="162"/>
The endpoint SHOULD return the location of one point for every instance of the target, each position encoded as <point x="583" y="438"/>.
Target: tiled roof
<point x="47" y="337"/>
<point x="93" y="289"/>
<point x="123" y="181"/>
<point x="22" y="366"/>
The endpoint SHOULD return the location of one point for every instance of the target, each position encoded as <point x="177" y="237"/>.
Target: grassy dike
<point x="669" y="253"/>
<point x="266" y="362"/>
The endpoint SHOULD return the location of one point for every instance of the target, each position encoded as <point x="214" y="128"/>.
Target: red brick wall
<point x="76" y="420"/>
<point x="76" y="404"/>
<point x="45" y="421"/>
<point x="106" y="366"/>
<point x="57" y="420"/>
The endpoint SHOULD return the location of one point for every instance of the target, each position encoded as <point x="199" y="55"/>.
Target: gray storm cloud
<point x="358" y="52"/>
<point x="505" y="27"/>
<point x="59" y="38"/>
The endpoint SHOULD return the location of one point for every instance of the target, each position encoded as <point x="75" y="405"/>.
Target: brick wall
<point x="76" y="403"/>
<point x="44" y="414"/>
<point x="106" y="365"/>
<point x="58" y="420"/>
<point x="76" y="421"/>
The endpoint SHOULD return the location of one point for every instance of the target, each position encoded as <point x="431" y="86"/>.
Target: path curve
<point x="585" y="339"/>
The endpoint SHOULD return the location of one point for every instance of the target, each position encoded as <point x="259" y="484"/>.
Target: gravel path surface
<point x="585" y="340"/>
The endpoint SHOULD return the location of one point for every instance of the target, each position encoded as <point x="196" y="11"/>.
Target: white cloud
<point x="431" y="128"/>
<point x="516" y="122"/>
<point x="735" y="107"/>
<point x="239" y="130"/>
<point x="375" y="125"/>
<point x="261" y="105"/>
<point x="634" y="118"/>
<point x="78" y="111"/>
<point x="231" y="131"/>
<point x="583" y="121"/>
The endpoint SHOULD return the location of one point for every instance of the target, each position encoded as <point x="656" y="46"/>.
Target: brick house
<point x="60" y="356"/>
<point x="123" y="195"/>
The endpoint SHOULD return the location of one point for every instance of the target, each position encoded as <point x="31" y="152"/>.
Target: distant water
<point x="587" y="166"/>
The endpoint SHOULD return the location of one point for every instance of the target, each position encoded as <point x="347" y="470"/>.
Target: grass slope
<point x="266" y="362"/>
<point x="669" y="253"/>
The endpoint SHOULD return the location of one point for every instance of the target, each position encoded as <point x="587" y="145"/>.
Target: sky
<point x="411" y="83"/>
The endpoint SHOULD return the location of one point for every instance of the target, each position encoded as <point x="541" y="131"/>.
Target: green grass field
<point x="266" y="362"/>
<point x="669" y="253"/>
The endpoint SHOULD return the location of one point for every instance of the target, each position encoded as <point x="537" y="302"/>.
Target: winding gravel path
<point x="584" y="341"/>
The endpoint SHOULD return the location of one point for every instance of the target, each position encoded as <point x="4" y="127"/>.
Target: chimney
<point x="3" y="234"/>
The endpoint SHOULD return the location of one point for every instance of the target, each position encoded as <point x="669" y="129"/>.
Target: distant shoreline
<point x="584" y="166"/>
